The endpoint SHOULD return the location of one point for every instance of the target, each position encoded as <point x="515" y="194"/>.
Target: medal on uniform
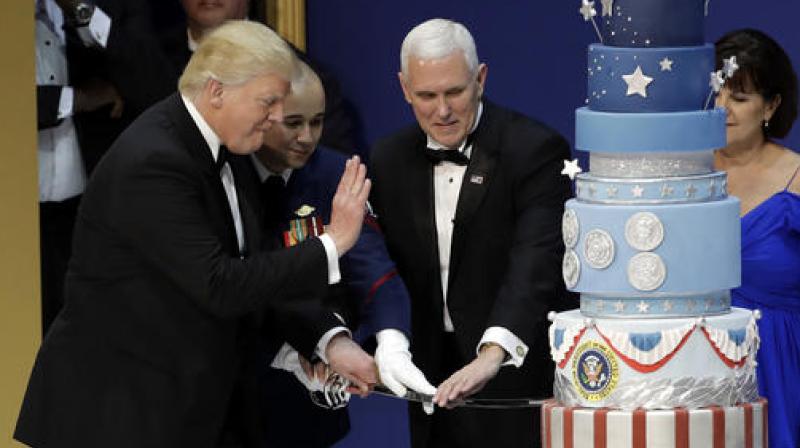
<point x="306" y="225"/>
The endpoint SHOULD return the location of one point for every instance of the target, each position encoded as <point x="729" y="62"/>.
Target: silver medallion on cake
<point x="570" y="228"/>
<point x="598" y="249"/>
<point x="644" y="231"/>
<point x="646" y="271"/>
<point x="571" y="268"/>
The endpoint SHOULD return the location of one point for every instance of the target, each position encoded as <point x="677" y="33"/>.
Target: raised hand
<point x="349" y="205"/>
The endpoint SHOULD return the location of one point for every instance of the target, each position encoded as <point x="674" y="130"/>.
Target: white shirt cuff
<point x="96" y="33"/>
<point x="65" y="102"/>
<point x="334" y="276"/>
<point x="325" y="339"/>
<point x="282" y="359"/>
<point x="514" y="347"/>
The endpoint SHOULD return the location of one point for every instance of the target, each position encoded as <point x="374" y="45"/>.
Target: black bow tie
<point x="437" y="156"/>
<point x="222" y="157"/>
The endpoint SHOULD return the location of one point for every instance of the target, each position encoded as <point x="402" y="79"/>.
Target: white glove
<point x="288" y="359"/>
<point x="396" y="370"/>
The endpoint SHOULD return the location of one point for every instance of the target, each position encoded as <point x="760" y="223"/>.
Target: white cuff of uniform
<point x="96" y="33"/>
<point x="334" y="276"/>
<point x="281" y="359"/>
<point x="65" y="102"/>
<point x="514" y="347"/>
<point x="326" y="339"/>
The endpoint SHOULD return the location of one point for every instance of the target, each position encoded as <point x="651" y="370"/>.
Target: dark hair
<point x="764" y="68"/>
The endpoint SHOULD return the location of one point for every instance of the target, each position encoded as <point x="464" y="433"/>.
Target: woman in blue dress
<point x="761" y="101"/>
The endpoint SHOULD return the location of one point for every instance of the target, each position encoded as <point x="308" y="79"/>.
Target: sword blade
<point x="478" y="403"/>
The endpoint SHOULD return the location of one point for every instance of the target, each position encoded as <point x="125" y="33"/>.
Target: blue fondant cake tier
<point x="656" y="306"/>
<point x="649" y="79"/>
<point x="649" y="132"/>
<point x="652" y="23"/>
<point x="641" y="249"/>
<point x="661" y="190"/>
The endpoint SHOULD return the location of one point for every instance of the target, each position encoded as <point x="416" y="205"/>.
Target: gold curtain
<point x="288" y="18"/>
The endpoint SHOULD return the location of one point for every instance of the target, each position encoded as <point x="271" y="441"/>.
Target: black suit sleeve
<point x="47" y="99"/>
<point x="165" y="215"/>
<point x="532" y="285"/>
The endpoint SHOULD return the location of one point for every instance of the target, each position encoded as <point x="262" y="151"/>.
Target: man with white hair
<point x="166" y="286"/>
<point x="470" y="200"/>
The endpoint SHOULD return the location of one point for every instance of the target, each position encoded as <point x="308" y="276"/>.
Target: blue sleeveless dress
<point x="771" y="283"/>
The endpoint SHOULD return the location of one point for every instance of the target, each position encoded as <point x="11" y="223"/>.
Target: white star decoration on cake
<point x="619" y="306"/>
<point x="571" y="168"/>
<point x="717" y="81"/>
<point x="729" y="66"/>
<point x="637" y="191"/>
<point x="667" y="305"/>
<point x="666" y="64"/>
<point x="587" y="10"/>
<point x="608" y="5"/>
<point x="611" y="192"/>
<point x="637" y="82"/>
<point x="643" y="307"/>
<point x="666" y="191"/>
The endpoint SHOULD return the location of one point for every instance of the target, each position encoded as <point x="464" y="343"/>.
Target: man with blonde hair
<point x="166" y="287"/>
<point x="470" y="199"/>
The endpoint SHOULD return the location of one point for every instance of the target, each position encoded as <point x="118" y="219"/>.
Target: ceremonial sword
<point x="334" y="395"/>
<point x="475" y="403"/>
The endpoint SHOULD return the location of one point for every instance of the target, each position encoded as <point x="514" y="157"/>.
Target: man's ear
<point x="403" y="85"/>
<point x="481" y="78"/>
<point x="215" y="90"/>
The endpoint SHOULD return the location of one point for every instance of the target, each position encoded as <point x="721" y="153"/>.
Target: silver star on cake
<point x="608" y="5"/>
<point x="643" y="307"/>
<point x="729" y="66"/>
<point x="637" y="191"/>
<point x="667" y="305"/>
<point x="717" y="81"/>
<point x="690" y="191"/>
<point x="637" y="82"/>
<point x="612" y="192"/>
<point x="666" y="191"/>
<point x="666" y="64"/>
<point x="619" y="306"/>
<point x="587" y="10"/>
<point x="571" y="168"/>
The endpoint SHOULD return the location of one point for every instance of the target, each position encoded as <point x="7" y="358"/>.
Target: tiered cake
<point x="655" y="356"/>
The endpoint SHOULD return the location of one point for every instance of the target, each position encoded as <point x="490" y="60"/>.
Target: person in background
<point x="167" y="286"/>
<point x="470" y="200"/>
<point x="297" y="179"/>
<point x="761" y="102"/>
<point x="89" y="85"/>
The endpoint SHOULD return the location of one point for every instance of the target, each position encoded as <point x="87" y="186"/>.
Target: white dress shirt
<point x="447" y="180"/>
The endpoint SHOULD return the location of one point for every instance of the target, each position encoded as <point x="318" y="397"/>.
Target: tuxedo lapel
<point x="196" y="145"/>
<point x="418" y="180"/>
<point x="477" y="178"/>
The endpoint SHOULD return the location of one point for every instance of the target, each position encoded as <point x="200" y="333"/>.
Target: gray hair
<point x="234" y="53"/>
<point x="436" y="39"/>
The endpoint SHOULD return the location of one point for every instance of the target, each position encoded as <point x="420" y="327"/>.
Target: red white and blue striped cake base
<point x="741" y="426"/>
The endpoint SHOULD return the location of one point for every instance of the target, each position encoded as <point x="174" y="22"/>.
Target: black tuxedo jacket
<point x="160" y="313"/>
<point x="504" y="268"/>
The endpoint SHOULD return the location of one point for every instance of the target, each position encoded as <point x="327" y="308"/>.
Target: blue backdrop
<point x="536" y="54"/>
